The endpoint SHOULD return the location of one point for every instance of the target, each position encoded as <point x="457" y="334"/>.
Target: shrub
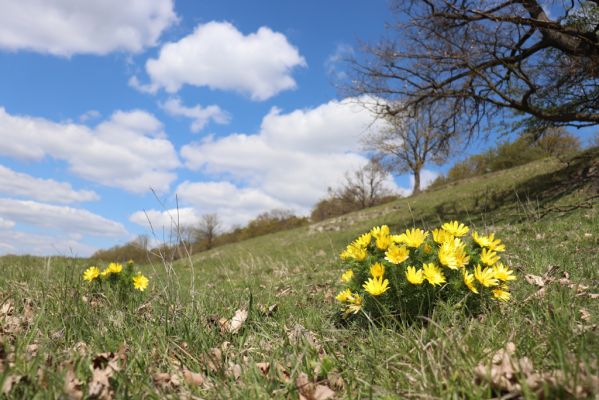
<point x="406" y="275"/>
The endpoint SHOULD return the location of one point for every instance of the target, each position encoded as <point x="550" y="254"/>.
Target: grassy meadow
<point x="180" y="339"/>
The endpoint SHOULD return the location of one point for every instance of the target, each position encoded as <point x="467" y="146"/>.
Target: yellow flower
<point x="398" y="239"/>
<point x="447" y="255"/>
<point x="377" y="270"/>
<point x="396" y="254"/>
<point x="486" y="276"/>
<point x="469" y="281"/>
<point x="441" y="236"/>
<point x="427" y="249"/>
<point x="414" y="237"/>
<point x="455" y="228"/>
<point x="355" y="304"/>
<point x="501" y="295"/>
<point x="140" y="282"/>
<point x="433" y="274"/>
<point x="413" y="276"/>
<point x="114" y="268"/>
<point x="461" y="257"/>
<point x="379" y="231"/>
<point x="355" y="252"/>
<point x="488" y="241"/>
<point x="376" y="286"/>
<point x="489" y="257"/>
<point x="383" y="241"/>
<point x="344" y="296"/>
<point x="503" y="273"/>
<point x="363" y="240"/>
<point x="347" y="275"/>
<point x="91" y="273"/>
<point x="105" y="273"/>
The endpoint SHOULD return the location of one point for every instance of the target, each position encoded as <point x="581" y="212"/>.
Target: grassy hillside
<point x="174" y="340"/>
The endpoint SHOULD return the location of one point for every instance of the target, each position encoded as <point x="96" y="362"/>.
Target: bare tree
<point x="365" y="186"/>
<point x="207" y="229"/>
<point x="412" y="140"/>
<point x="486" y="57"/>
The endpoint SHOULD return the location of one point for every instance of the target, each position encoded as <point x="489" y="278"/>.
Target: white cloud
<point x="233" y="205"/>
<point x="22" y="185"/>
<point x="219" y="56"/>
<point x="89" y="115"/>
<point x="129" y="150"/>
<point x="15" y="242"/>
<point x="62" y="218"/>
<point x="66" y="27"/>
<point x="426" y="178"/>
<point x="288" y="164"/>
<point x="165" y="221"/>
<point x="200" y="115"/>
<point x="6" y="224"/>
<point x="335" y="62"/>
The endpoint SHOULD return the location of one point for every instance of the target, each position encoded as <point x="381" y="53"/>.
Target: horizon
<point x="112" y="114"/>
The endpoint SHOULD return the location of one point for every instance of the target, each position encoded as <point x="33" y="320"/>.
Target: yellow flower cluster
<point x="114" y="272"/>
<point x="385" y="266"/>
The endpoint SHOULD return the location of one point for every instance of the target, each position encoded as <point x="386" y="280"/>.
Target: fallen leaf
<point x="312" y="391"/>
<point x="237" y="321"/>
<point x="73" y="387"/>
<point x="234" y="371"/>
<point x="264" y="367"/>
<point x="166" y="381"/>
<point x="508" y="374"/>
<point x="585" y="315"/>
<point x="193" y="378"/>
<point x="213" y="359"/>
<point x="11" y="381"/>
<point x="535" y="280"/>
<point x="104" y="366"/>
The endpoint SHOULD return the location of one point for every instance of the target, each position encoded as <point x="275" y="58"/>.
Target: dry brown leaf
<point x="237" y="321"/>
<point x="312" y="391"/>
<point x="335" y="380"/>
<point x="213" y="359"/>
<point x="193" y="378"/>
<point x="104" y="366"/>
<point x="234" y="371"/>
<point x="11" y="381"/>
<point x="264" y="367"/>
<point x="7" y="308"/>
<point x="508" y="374"/>
<point x="585" y="315"/>
<point x="535" y="280"/>
<point x="73" y="387"/>
<point x="166" y="381"/>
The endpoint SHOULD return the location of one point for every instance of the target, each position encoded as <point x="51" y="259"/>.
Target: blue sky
<point x="111" y="110"/>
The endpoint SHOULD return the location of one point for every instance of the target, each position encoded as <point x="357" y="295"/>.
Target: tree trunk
<point x="416" y="189"/>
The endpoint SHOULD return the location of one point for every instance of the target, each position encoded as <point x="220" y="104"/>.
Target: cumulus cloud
<point x="129" y="150"/>
<point x="66" y="27"/>
<point x="335" y="62"/>
<point x="168" y="221"/>
<point x="62" y="218"/>
<point x="23" y="185"/>
<point x="289" y="163"/>
<point x="200" y="115"/>
<point x="17" y="242"/>
<point x="6" y="224"/>
<point x="218" y="56"/>
<point x="233" y="205"/>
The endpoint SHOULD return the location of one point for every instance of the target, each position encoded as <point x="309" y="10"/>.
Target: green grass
<point x="545" y="212"/>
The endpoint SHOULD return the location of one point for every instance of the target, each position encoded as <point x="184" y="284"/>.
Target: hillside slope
<point x="545" y="212"/>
